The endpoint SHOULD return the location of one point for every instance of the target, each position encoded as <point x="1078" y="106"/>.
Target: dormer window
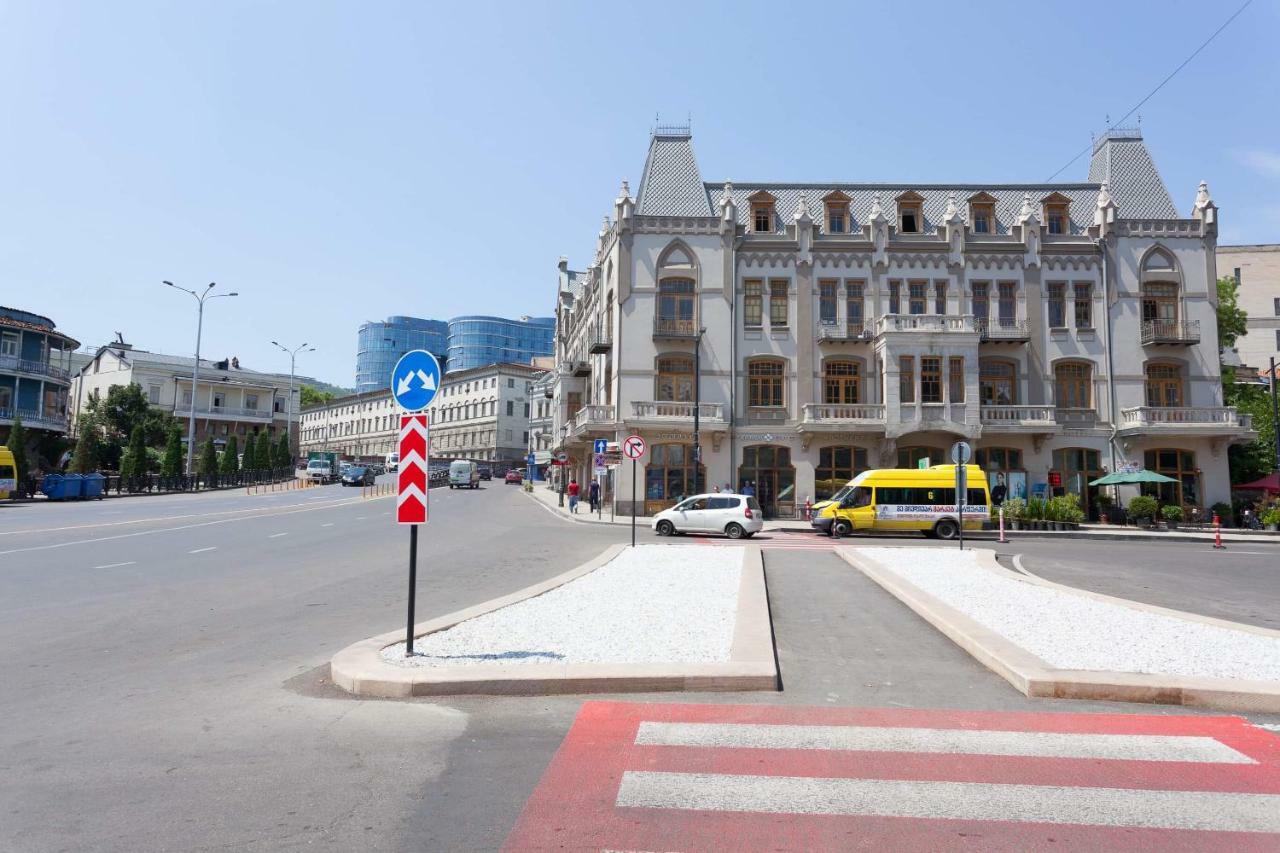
<point x="910" y="213"/>
<point x="982" y="213"/>
<point x="1056" y="218"/>
<point x="837" y="213"/>
<point x="762" y="212"/>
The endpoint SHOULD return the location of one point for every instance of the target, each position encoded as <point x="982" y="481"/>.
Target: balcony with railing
<point x="996" y="418"/>
<point x="958" y="418"/>
<point x="1075" y="417"/>
<point x="843" y="332"/>
<point x="601" y="341"/>
<point x="30" y="367"/>
<point x="34" y="419"/>
<point x="675" y="328"/>
<point x="226" y="413"/>
<point x="1003" y="331"/>
<point x="677" y="412"/>
<point x="1180" y="333"/>
<point x="925" y="323"/>
<point x="843" y="416"/>
<point x="592" y="417"/>
<point x="1184" y="420"/>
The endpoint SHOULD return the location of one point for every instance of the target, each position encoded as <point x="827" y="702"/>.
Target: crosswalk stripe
<point x="1198" y="810"/>
<point x="955" y="741"/>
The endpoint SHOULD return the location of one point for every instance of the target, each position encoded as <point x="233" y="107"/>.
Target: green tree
<point x="1231" y="317"/>
<point x="172" y="465"/>
<point x="135" y="461"/>
<point x="284" y="457"/>
<point x="1257" y="458"/>
<point x="309" y="395"/>
<point x="262" y="453"/>
<point x="17" y="444"/>
<point x="85" y="458"/>
<point x="250" y="453"/>
<point x="208" y="459"/>
<point x="231" y="456"/>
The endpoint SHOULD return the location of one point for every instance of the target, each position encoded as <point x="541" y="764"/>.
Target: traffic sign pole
<point x="413" y="588"/>
<point x="960" y="455"/>
<point x="633" y="448"/>
<point x="633" y="503"/>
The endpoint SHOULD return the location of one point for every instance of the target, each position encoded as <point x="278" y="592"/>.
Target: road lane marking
<point x="202" y="550"/>
<point x="1231" y="553"/>
<point x="116" y="565"/>
<point x="1199" y="810"/>
<point x="952" y="741"/>
<point x="277" y="535"/>
<point x="327" y="524"/>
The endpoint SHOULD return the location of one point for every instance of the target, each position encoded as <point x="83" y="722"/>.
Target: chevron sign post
<point x="411" y="505"/>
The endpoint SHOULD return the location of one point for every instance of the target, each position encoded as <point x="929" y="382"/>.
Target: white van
<point x="393" y="463"/>
<point x="464" y="474"/>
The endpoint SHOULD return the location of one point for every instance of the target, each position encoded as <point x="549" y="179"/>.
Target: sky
<point x="341" y="162"/>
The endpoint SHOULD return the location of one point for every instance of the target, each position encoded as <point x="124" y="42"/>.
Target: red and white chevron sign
<point x="411" y="505"/>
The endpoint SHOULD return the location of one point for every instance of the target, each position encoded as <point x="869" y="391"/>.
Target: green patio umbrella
<point x="1121" y="478"/>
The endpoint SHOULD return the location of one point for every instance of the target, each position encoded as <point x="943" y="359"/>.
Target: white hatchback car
<point x="736" y="516"/>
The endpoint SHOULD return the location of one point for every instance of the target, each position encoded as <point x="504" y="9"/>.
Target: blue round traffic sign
<point x="415" y="380"/>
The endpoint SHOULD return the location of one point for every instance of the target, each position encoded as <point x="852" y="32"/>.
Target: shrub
<point x="172" y="464"/>
<point x="250" y="452"/>
<point x="1014" y="508"/>
<point x="1223" y="512"/>
<point x="1035" y="509"/>
<point x="230" y="462"/>
<point x="1143" y="508"/>
<point x="1271" y="516"/>
<point x="1172" y="513"/>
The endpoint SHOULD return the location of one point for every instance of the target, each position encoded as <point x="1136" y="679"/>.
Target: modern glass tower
<point x="475" y="341"/>
<point x="380" y="345"/>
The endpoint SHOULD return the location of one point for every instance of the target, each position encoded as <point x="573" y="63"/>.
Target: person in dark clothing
<point x="593" y="495"/>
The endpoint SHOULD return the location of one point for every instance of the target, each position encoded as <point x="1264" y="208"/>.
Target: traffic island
<point x="1050" y="640"/>
<point x="642" y="619"/>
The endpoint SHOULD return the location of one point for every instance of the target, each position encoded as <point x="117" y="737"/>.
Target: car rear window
<point x="753" y="503"/>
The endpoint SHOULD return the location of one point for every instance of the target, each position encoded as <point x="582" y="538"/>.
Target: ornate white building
<point x="1065" y="329"/>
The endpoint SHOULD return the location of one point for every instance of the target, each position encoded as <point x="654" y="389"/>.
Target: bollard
<point x="1217" y="533"/>
<point x="1002" y="540"/>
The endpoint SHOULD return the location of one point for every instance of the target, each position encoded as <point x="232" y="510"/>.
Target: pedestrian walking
<point x="574" y="490"/>
<point x="593" y="495"/>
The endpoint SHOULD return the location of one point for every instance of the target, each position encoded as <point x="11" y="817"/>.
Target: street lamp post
<point x="564" y="436"/>
<point x="1275" y="410"/>
<point x="293" y="361"/>
<point x="195" y="373"/>
<point x="698" y="485"/>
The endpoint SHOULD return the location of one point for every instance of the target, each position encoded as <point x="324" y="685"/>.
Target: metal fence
<point x="115" y="485"/>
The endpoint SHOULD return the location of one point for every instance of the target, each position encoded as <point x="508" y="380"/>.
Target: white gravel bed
<point x="1071" y="631"/>
<point x="650" y="604"/>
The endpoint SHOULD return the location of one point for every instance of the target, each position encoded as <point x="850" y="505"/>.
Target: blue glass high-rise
<point x="380" y="345"/>
<point x="475" y="341"/>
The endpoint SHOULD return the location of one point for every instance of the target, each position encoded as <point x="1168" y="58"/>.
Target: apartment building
<point x="360" y="426"/>
<point x="1064" y="329"/>
<point x="1257" y="270"/>
<point x="229" y="400"/>
<point x="35" y="375"/>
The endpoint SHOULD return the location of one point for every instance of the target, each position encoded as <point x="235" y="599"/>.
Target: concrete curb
<point x="360" y="669"/>
<point x="1235" y="537"/>
<point x="1033" y="677"/>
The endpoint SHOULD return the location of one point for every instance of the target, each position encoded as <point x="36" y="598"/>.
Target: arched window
<point x="998" y="382"/>
<point x="1073" y="385"/>
<point x="836" y="467"/>
<point x="841" y="381"/>
<point x="1181" y="466"/>
<point x="673" y="381"/>
<point x="768" y="470"/>
<point x="1077" y="467"/>
<point x="1160" y="285"/>
<point x="669" y="475"/>
<point x="766" y="381"/>
<point x="1004" y="468"/>
<point x="1164" y="384"/>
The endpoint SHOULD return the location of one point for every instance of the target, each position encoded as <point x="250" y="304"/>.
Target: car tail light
<point x="747" y="512"/>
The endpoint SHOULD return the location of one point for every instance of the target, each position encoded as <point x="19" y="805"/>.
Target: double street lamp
<point x="293" y="362"/>
<point x="200" y="298"/>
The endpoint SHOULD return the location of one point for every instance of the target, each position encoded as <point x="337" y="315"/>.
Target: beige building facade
<point x="1257" y="269"/>
<point x="1064" y="329"/>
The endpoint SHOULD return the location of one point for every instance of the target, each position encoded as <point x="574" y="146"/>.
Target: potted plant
<point x="1172" y="514"/>
<point x="1271" y="518"/>
<point x="1104" y="502"/>
<point x="1035" y="513"/>
<point x="1014" y="510"/>
<point x="1143" y="509"/>
<point x="1052" y="515"/>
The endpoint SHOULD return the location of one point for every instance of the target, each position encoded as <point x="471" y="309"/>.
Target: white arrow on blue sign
<point x="602" y="445"/>
<point x="415" y="380"/>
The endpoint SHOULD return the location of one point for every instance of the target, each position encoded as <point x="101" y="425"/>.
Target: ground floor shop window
<point x="1076" y="467"/>
<point x="669" y="476"/>
<point x="836" y="467"/>
<point x="910" y="457"/>
<point x="768" y="471"/>
<point x="1181" y="466"/>
<point x="1005" y="475"/>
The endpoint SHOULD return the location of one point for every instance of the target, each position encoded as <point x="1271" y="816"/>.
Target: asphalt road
<point x="165" y="661"/>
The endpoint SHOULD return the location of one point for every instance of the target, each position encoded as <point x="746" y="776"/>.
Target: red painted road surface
<point x="670" y="777"/>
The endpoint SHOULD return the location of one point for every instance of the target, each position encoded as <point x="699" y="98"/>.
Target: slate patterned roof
<point x="671" y="184"/>
<point x="1121" y="158"/>
<point x="1008" y="201"/>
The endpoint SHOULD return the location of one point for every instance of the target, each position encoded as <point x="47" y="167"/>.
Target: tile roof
<point x="671" y="184"/>
<point x="1008" y="201"/>
<point x="1121" y="158"/>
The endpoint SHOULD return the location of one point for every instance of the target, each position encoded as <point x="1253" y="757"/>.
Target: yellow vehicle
<point x="907" y="499"/>
<point x="8" y="473"/>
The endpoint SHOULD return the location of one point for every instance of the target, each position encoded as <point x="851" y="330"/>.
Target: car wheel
<point x="734" y="530"/>
<point x="666" y="528"/>
<point x="840" y="529"/>
<point x="946" y="529"/>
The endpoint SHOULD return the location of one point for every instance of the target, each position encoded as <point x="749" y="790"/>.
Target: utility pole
<point x="1275" y="410"/>
<point x="698" y="485"/>
<point x="195" y="373"/>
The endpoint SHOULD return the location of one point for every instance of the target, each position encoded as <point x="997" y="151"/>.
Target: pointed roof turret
<point x="671" y="184"/>
<point x="1121" y="160"/>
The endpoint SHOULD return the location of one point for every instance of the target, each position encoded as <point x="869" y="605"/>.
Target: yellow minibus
<point x="899" y="499"/>
<point x="8" y="473"/>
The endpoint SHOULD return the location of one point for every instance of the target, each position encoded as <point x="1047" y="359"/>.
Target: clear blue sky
<point x="341" y="162"/>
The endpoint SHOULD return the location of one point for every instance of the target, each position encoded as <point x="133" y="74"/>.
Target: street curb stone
<point x="361" y="670"/>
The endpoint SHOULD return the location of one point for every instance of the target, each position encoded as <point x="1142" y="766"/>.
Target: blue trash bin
<point x="73" y="486"/>
<point x="93" y="485"/>
<point x="51" y="486"/>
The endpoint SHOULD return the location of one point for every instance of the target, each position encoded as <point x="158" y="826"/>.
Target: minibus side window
<point x="977" y="497"/>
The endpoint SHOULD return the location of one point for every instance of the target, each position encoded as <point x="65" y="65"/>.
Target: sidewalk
<point x="1109" y="532"/>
